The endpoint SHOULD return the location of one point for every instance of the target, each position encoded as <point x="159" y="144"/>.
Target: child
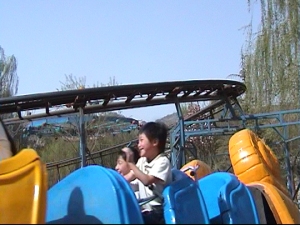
<point x="129" y="154"/>
<point x="152" y="169"/>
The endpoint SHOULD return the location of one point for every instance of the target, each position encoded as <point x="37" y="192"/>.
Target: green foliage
<point x="270" y="69"/>
<point x="62" y="154"/>
<point x="270" y="60"/>
<point x="9" y="80"/>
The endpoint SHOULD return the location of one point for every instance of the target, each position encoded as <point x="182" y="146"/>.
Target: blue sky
<point x="134" y="41"/>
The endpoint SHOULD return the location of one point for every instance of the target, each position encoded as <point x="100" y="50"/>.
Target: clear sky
<point x="134" y="41"/>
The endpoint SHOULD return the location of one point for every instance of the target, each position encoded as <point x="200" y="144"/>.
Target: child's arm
<point x="144" y="178"/>
<point x="129" y="176"/>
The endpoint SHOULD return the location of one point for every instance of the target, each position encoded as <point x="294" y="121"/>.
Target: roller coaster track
<point x="103" y="99"/>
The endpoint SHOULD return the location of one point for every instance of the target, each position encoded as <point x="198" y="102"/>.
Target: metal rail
<point x="92" y="100"/>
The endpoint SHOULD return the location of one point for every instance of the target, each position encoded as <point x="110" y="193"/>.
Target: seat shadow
<point x="76" y="213"/>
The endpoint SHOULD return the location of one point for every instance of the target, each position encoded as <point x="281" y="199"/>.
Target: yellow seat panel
<point x="252" y="160"/>
<point x="283" y="208"/>
<point x="23" y="189"/>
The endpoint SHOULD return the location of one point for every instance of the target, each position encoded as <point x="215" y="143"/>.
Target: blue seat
<point x="183" y="203"/>
<point x="92" y="194"/>
<point x="178" y="174"/>
<point x="228" y="201"/>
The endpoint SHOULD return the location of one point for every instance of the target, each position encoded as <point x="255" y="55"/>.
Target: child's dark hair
<point x="136" y="154"/>
<point x="156" y="130"/>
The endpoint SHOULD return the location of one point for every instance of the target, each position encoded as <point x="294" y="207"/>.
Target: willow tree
<point x="271" y="60"/>
<point x="8" y="75"/>
<point x="270" y="67"/>
<point x="9" y="82"/>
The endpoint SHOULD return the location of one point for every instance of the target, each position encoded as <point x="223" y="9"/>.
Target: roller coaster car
<point x="94" y="194"/>
<point x="23" y="189"/>
<point x="255" y="165"/>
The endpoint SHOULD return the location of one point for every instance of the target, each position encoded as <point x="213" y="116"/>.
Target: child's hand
<point x="129" y="157"/>
<point x="129" y="154"/>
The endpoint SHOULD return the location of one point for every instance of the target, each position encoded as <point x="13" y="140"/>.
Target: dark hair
<point x="136" y="154"/>
<point x="13" y="148"/>
<point x="156" y="130"/>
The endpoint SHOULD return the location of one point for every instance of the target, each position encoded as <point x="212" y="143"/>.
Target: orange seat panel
<point x="283" y="208"/>
<point x="252" y="160"/>
<point x="203" y="169"/>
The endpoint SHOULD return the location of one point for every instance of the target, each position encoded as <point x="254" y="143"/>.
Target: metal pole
<point x="290" y="180"/>
<point x="181" y="158"/>
<point x="173" y="148"/>
<point x="82" y="139"/>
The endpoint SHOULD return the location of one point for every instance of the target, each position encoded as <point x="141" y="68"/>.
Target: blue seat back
<point x="92" y="194"/>
<point x="183" y="203"/>
<point x="131" y="203"/>
<point x="228" y="201"/>
<point x="178" y="174"/>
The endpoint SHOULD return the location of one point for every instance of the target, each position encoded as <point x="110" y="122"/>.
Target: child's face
<point x="145" y="146"/>
<point x="122" y="166"/>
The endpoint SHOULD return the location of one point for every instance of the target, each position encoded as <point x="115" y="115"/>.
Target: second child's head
<point x="126" y="154"/>
<point x="152" y="139"/>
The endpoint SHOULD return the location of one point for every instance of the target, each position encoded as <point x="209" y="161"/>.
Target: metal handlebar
<point x="143" y="201"/>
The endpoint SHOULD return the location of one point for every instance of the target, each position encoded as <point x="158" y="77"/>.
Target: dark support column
<point x="57" y="167"/>
<point x="181" y="156"/>
<point x="173" y="144"/>
<point x="82" y="138"/>
<point x="290" y="179"/>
